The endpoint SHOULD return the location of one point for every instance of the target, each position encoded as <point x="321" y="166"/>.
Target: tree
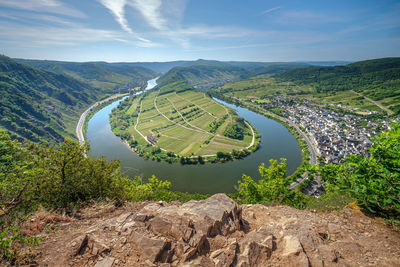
<point x="16" y="172"/>
<point x="273" y="187"/>
<point x="200" y="159"/>
<point x="373" y="181"/>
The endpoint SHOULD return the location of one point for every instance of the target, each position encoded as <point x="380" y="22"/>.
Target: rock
<point x="123" y="217"/>
<point x="293" y="252"/>
<point x="347" y="249"/>
<point x="225" y="257"/>
<point x="216" y="215"/>
<point x="218" y="232"/>
<point x="106" y="262"/>
<point x="141" y="217"/>
<point x="256" y="248"/>
<point x="150" y="210"/>
<point x="155" y="250"/>
<point x="292" y="246"/>
<point x="195" y="221"/>
<point x="200" y="262"/>
<point x="82" y="247"/>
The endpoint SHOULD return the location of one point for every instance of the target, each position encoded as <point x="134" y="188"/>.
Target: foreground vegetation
<point x="373" y="182"/>
<point x="178" y="124"/>
<point x="33" y="176"/>
<point x="62" y="178"/>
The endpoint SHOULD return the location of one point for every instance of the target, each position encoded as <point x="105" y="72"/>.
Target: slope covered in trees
<point x="204" y="74"/>
<point x="38" y="105"/>
<point x="97" y="74"/>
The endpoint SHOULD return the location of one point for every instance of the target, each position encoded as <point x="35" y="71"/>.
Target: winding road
<point x="79" y="127"/>
<point x="81" y="122"/>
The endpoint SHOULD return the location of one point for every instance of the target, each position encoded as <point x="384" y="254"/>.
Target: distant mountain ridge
<point x="204" y="74"/>
<point x="164" y="67"/>
<point x="98" y="74"/>
<point x="378" y="79"/>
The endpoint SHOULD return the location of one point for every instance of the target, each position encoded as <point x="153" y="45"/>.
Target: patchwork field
<point x="188" y="124"/>
<point x="262" y="87"/>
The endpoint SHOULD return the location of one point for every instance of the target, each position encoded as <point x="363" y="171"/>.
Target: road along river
<point x="276" y="142"/>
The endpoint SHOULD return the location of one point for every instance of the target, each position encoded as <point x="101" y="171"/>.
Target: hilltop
<point x="213" y="232"/>
<point x="98" y="74"/>
<point x="204" y="74"/>
<point x="378" y="79"/>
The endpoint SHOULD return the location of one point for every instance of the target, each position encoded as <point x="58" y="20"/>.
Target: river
<point x="276" y="142"/>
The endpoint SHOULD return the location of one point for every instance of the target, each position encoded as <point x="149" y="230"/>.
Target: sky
<point x="167" y="30"/>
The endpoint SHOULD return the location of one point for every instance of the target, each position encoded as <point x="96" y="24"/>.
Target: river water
<point x="276" y="143"/>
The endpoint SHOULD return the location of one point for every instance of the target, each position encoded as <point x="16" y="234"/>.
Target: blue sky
<point x="165" y="30"/>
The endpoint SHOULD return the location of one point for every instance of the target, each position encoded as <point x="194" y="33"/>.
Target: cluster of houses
<point x="334" y="134"/>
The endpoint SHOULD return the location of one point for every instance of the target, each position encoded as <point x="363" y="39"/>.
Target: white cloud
<point x="64" y="35"/>
<point x="117" y="9"/>
<point x="151" y="12"/>
<point x="217" y="32"/>
<point x="49" y="6"/>
<point x="270" y="10"/>
<point x="39" y="36"/>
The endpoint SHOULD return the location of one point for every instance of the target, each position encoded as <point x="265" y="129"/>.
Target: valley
<point x="199" y="133"/>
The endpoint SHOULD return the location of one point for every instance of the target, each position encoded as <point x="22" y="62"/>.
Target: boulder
<point x="153" y="249"/>
<point x="195" y="221"/>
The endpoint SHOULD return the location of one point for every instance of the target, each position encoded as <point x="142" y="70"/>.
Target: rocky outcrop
<point x="219" y="232"/>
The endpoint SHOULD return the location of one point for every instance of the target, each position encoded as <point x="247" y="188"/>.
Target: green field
<point x="186" y="124"/>
<point x="262" y="87"/>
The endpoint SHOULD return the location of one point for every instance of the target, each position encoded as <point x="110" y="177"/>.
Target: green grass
<point x="181" y="123"/>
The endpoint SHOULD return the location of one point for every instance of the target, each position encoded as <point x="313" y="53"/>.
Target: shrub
<point x="11" y="236"/>
<point x="373" y="181"/>
<point x="273" y="187"/>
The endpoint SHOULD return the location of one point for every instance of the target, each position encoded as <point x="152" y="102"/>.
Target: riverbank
<point x="179" y="128"/>
<point x="84" y="118"/>
<point x="276" y="143"/>
<point x="309" y="155"/>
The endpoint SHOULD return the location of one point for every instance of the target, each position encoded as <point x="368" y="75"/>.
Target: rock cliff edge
<point x="218" y="232"/>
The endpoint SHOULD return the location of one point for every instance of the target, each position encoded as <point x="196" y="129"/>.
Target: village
<point x="333" y="133"/>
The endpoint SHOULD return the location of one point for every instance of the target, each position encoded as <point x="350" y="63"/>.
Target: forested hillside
<point x="97" y="74"/>
<point x="38" y="105"/>
<point x="258" y="68"/>
<point x="378" y="79"/>
<point x="204" y="74"/>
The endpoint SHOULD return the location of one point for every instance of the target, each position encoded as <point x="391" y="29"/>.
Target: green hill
<point x="209" y="73"/>
<point x="378" y="79"/>
<point x="97" y="74"/>
<point x="204" y="74"/>
<point x="39" y="105"/>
